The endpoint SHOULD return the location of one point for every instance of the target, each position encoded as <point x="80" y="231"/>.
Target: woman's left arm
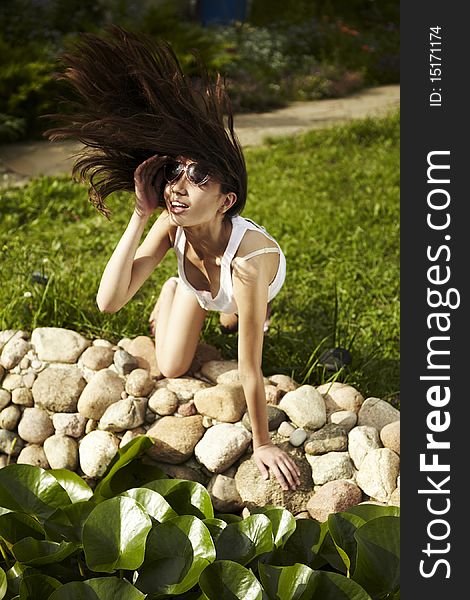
<point x="250" y="286"/>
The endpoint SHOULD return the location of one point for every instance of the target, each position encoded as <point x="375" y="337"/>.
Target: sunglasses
<point x="194" y="172"/>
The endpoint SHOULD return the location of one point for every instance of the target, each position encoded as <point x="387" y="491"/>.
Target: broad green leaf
<point x="185" y="497"/>
<point x="152" y="502"/>
<point x="4" y="511"/>
<point x="229" y="580"/>
<point x="100" y="588"/>
<point x="3" y="583"/>
<point x="228" y="517"/>
<point x="329" y="552"/>
<point x="14" y="577"/>
<point x="378" y="556"/>
<point x="31" y="490"/>
<point x="333" y="586"/>
<point x="37" y="587"/>
<point x="296" y="582"/>
<point x="215" y="527"/>
<point x="34" y="552"/>
<point x="282" y="521"/>
<point x="73" y="484"/>
<point x="14" y="526"/>
<point x="114" y="535"/>
<point x="68" y="522"/>
<point x="243" y="541"/>
<point x="177" y="552"/>
<point x="125" y="472"/>
<point x="342" y="527"/>
<point x="372" y="511"/>
<point x="302" y="546"/>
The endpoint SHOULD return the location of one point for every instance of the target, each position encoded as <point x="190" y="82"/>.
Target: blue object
<point x="222" y="12"/>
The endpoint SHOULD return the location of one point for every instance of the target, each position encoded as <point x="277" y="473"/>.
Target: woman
<point x="150" y="129"/>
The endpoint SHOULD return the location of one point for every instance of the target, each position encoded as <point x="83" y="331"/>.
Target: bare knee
<point x="172" y="369"/>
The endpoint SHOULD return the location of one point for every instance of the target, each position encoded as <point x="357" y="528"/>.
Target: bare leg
<point x="178" y="320"/>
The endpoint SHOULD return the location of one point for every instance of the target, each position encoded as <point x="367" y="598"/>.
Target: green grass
<point x="331" y="199"/>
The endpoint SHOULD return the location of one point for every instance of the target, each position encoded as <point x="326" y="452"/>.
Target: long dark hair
<point x="133" y="101"/>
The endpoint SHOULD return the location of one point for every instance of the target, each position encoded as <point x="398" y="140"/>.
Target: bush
<point x="141" y="533"/>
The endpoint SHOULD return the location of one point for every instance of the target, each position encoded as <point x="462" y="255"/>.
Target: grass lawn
<point x="330" y="198"/>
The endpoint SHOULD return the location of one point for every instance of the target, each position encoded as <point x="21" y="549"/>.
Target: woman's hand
<point x="271" y="458"/>
<point x="148" y="179"/>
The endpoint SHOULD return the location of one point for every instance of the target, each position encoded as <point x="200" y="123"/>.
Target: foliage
<point x="330" y="198"/>
<point x="61" y="541"/>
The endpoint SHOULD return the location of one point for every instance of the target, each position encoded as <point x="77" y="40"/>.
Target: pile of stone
<point x="67" y="402"/>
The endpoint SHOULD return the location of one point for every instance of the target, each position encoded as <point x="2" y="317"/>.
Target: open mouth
<point x="177" y="207"/>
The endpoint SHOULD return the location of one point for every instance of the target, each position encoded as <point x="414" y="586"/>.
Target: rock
<point x="13" y="351"/>
<point x="22" y="397"/>
<point x="3" y="457"/>
<point x="97" y="357"/>
<point x="361" y="440"/>
<point x="124" y="414"/>
<point x="390" y="436"/>
<point x="222" y="402"/>
<point x="10" y="442"/>
<point x="224" y="494"/>
<point x="143" y="348"/>
<point x="35" y="425"/>
<point x="29" y="378"/>
<point x="221" y="446"/>
<point x="58" y="389"/>
<point x="33" y="455"/>
<point x="150" y="416"/>
<point x="96" y="451"/>
<point x="175" y="438"/>
<point x="9" y="334"/>
<point x="130" y="435"/>
<point x="187" y="409"/>
<point x="163" y="401"/>
<point x="185" y="387"/>
<point x="139" y="383"/>
<point x="377" y="413"/>
<point x="330" y="438"/>
<point x="284" y="383"/>
<point x="56" y="344"/>
<point x="90" y="426"/>
<point x="9" y="417"/>
<point x="204" y="353"/>
<point x="104" y="389"/>
<point x="334" y="496"/>
<point x="286" y="429"/>
<point x="275" y="417"/>
<point x="346" y="419"/>
<point x="298" y="437"/>
<point x="273" y="394"/>
<point x="255" y="491"/>
<point x="343" y="395"/>
<point x="102" y="343"/>
<point x="207" y="422"/>
<point x="24" y="363"/>
<point x="395" y="497"/>
<point x="378" y="472"/>
<point x="61" y="452"/>
<point x="331" y="466"/>
<point x="5" y="397"/>
<point x="71" y="424"/>
<point x="124" y="362"/>
<point x="12" y="381"/>
<point x="212" y="369"/>
<point x="183" y="471"/>
<point x="305" y="407"/>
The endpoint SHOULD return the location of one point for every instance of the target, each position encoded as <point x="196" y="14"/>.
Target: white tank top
<point x="224" y="301"/>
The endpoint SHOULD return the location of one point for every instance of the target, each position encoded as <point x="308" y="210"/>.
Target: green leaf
<point x="342" y="527"/>
<point x="243" y="541"/>
<point x="31" y="490"/>
<point x="282" y="521"/>
<point x="228" y="517"/>
<point x="372" y="511"/>
<point x="34" y="552"/>
<point x="14" y="526"/>
<point x="185" y="497"/>
<point x="177" y="552"/>
<point x="38" y="587"/>
<point x="73" y="484"/>
<point x="125" y="472"/>
<point x="378" y="556"/>
<point x="329" y="552"/>
<point x="296" y="582"/>
<point x="100" y="588"/>
<point x="302" y="546"/>
<point x="152" y="502"/>
<point x="68" y="522"/>
<point x="3" y="583"/>
<point x="215" y="527"/>
<point x="114" y="535"/>
<point x="229" y="580"/>
<point x="14" y="577"/>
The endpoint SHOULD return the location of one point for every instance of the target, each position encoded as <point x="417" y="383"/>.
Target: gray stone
<point x="12" y="381"/>
<point x="273" y="394"/>
<point x="286" y="429"/>
<point x="377" y="413"/>
<point x="9" y="417"/>
<point x="305" y="407"/>
<point x="104" y="389"/>
<point x="139" y="383"/>
<point x="344" y="396"/>
<point x="185" y="387"/>
<point x="35" y="425"/>
<point x="34" y="455"/>
<point x="124" y="414"/>
<point x="212" y="369"/>
<point x="222" y="402"/>
<point x="378" y="473"/>
<point x="362" y="439"/>
<point x="124" y="362"/>
<point x="175" y="438"/>
<point x="283" y="382"/>
<point x="13" y="352"/>
<point x="71" y="424"/>
<point x="346" y="419"/>
<point x="143" y="349"/>
<point x="331" y="466"/>
<point x="334" y="496"/>
<point x="61" y="452"/>
<point x="224" y="494"/>
<point x="10" y="442"/>
<point x="330" y="438"/>
<point x="22" y="397"/>
<point x="275" y="417"/>
<point x="221" y="446"/>
<point x="298" y="437"/>
<point x="96" y="451"/>
<point x="56" y="344"/>
<point x="29" y="378"/>
<point x="130" y="435"/>
<point x="97" y="358"/>
<point x="58" y="389"/>
<point x="90" y="426"/>
<point x="390" y="436"/>
<point x="5" y="398"/>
